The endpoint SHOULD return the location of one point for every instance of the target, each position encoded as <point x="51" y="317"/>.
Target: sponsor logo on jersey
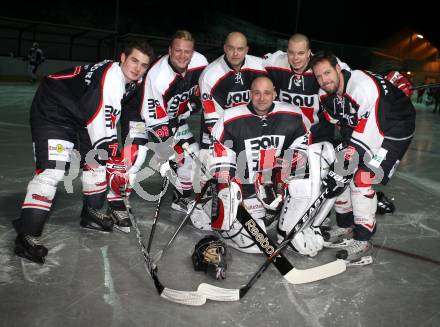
<point x="235" y="98"/>
<point x="299" y="99"/>
<point x="41" y="198"/>
<point x="89" y="74"/>
<point x="111" y="116"/>
<point x="179" y="100"/>
<point x="253" y="149"/>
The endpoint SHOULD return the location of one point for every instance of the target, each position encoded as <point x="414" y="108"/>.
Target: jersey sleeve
<point x="212" y="110"/>
<point x="223" y="161"/>
<point x="366" y="95"/>
<point x="102" y="126"/>
<point x="154" y="111"/>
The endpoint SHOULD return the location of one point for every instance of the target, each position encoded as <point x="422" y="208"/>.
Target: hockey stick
<point x="274" y="255"/>
<point x="425" y="86"/>
<point x="156" y="214"/>
<point x="196" y="201"/>
<point x="289" y="272"/>
<point x="182" y="297"/>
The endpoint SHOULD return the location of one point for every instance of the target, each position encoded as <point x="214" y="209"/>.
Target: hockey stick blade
<point x="215" y="293"/>
<point x="302" y="276"/>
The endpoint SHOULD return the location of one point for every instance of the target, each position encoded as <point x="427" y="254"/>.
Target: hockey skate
<point x="335" y="234"/>
<point x="96" y="220"/>
<point x="29" y="247"/>
<point x="353" y="252"/>
<point x="180" y="203"/>
<point x="121" y="219"/>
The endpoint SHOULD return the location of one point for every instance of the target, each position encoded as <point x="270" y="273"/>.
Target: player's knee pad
<point x="93" y="180"/>
<point x="364" y="202"/>
<point x="237" y="236"/>
<point x="42" y="188"/>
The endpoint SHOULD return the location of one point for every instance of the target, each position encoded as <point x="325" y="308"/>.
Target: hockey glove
<point x="400" y="81"/>
<point x="117" y="176"/>
<point x="336" y="182"/>
<point x="271" y="193"/>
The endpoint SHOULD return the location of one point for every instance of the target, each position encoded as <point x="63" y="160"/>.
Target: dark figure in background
<point x="36" y="58"/>
<point x="420" y="93"/>
<point x="436" y="96"/>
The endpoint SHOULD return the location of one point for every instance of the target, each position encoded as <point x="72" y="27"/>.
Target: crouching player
<point x="248" y="143"/>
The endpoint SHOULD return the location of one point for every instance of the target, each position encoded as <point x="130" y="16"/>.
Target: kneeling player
<point x="247" y="139"/>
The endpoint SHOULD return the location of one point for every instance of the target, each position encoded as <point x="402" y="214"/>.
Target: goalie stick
<point x="274" y="255"/>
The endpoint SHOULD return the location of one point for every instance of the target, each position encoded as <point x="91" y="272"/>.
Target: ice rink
<point x="98" y="279"/>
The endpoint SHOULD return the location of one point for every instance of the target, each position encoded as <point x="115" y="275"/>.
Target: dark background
<point x="364" y="23"/>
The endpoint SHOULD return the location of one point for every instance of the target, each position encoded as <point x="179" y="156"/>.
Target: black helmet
<point x="210" y="256"/>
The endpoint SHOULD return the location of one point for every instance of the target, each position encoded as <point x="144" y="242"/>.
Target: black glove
<point x="336" y="182"/>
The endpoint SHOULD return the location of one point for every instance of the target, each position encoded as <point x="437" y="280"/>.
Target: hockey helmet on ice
<point x="210" y="256"/>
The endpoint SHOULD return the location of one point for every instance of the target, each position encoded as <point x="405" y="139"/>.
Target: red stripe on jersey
<point x="76" y="71"/>
<point x="238" y="117"/>
<point x="219" y="150"/>
<point x="160" y="112"/>
<point x="361" y="125"/>
<point x="287" y="70"/>
<point x="209" y="106"/>
<point x="308" y="112"/>
<point x="196" y="68"/>
<point x="102" y="95"/>
<point x="327" y="116"/>
<point x="33" y="205"/>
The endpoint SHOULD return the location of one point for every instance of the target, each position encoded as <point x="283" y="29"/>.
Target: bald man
<point x="225" y="83"/>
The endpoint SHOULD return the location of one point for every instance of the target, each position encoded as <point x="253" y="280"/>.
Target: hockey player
<point x="36" y="58"/>
<point x="84" y="101"/>
<point x="225" y="83"/>
<point x="382" y="120"/>
<point x="295" y="83"/>
<point x="171" y="94"/>
<point x="247" y="141"/>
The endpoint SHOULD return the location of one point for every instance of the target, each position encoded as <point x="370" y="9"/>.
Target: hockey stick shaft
<point x="156" y="214"/>
<point x="425" y="86"/>
<point x="197" y="199"/>
<point x="182" y="297"/>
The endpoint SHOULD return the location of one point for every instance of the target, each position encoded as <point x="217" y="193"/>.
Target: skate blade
<point x="89" y="227"/>
<point x="123" y="229"/>
<point x="331" y="245"/>
<point x="24" y="255"/>
<point x="362" y="261"/>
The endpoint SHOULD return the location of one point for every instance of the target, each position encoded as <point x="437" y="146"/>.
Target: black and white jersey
<point x="300" y="90"/>
<point x="244" y="141"/>
<point x="222" y="87"/>
<point x="84" y="97"/>
<point x="373" y="108"/>
<point x="166" y="92"/>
